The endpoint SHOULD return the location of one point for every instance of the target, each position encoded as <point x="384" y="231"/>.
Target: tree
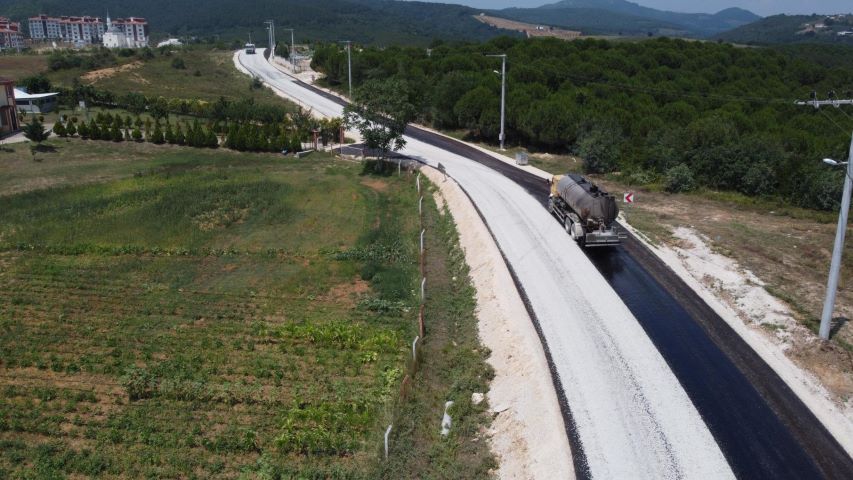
<point x="35" y="132"/>
<point x="136" y="134"/>
<point x="36" y="84"/>
<point x="157" y="135"/>
<point x="679" y="179"/>
<point x="380" y="111"/>
<point x="70" y="129"/>
<point x="59" y="129"/>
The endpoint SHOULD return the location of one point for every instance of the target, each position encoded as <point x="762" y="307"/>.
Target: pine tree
<point x="59" y="129"/>
<point x="115" y="133"/>
<point x="136" y="134"/>
<point x="180" y="139"/>
<point x="170" y="135"/>
<point x="157" y="135"/>
<point x="83" y="131"/>
<point x="70" y="129"/>
<point x="94" y="130"/>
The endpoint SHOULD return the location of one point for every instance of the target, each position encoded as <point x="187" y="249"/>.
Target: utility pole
<point x="349" y="65"/>
<point x="292" y="49"/>
<point x="271" y="30"/>
<point x="835" y="265"/>
<point x="502" y="135"/>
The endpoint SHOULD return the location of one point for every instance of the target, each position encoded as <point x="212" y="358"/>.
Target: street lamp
<point x="349" y="65"/>
<point x="292" y="49"/>
<point x="271" y="29"/>
<point x="502" y="135"/>
<point x="835" y="266"/>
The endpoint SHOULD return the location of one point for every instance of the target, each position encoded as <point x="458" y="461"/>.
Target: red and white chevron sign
<point x="628" y="197"/>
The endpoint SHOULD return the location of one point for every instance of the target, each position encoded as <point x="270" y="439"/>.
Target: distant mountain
<point x="615" y="16"/>
<point x="381" y="22"/>
<point x="785" y="29"/>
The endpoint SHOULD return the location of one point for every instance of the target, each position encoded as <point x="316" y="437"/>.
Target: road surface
<point x="645" y="391"/>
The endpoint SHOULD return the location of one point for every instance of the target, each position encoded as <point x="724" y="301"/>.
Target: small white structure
<point x="170" y="42"/>
<point x="35" y="102"/>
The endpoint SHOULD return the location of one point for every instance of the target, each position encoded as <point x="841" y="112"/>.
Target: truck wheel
<point x="567" y="224"/>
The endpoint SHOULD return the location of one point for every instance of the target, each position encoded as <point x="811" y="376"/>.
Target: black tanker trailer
<point x="587" y="212"/>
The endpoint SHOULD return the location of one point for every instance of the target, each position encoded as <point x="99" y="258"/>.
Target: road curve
<point x="628" y="412"/>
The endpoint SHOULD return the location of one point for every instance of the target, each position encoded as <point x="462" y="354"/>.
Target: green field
<point x="176" y="313"/>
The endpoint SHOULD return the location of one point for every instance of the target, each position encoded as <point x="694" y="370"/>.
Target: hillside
<point x="615" y="16"/>
<point x="379" y="22"/>
<point x="793" y="29"/>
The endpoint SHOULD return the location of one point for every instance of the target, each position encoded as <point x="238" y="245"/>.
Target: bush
<point x="600" y="150"/>
<point x="680" y="179"/>
<point x="178" y="63"/>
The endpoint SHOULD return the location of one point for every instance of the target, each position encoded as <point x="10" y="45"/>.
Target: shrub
<point x="680" y="179"/>
<point x="59" y="129"/>
<point x="178" y="63"/>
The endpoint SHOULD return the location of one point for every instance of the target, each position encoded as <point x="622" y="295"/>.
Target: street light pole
<point x="502" y="135"/>
<point x="349" y="65"/>
<point x="271" y="37"/>
<point x="292" y="49"/>
<point x="835" y="266"/>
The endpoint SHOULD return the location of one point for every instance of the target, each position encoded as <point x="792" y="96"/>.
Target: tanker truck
<point x="587" y="212"/>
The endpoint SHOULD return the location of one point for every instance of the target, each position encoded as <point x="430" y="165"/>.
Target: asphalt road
<point x="653" y="384"/>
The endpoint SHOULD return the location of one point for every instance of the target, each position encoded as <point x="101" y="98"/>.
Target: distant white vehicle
<point x="846" y="33"/>
<point x="250" y="48"/>
<point x="170" y="42"/>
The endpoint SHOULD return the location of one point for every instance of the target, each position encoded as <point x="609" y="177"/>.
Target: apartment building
<point x="76" y="30"/>
<point x="131" y="32"/>
<point x="11" y="37"/>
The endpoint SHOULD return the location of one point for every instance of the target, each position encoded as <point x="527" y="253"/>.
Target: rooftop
<point x="22" y="95"/>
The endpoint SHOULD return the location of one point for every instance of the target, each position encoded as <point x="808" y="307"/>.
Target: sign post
<point x="628" y="200"/>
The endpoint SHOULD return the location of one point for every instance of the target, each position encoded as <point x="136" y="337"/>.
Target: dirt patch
<point x="95" y="75"/>
<point x="347" y="293"/>
<point x="529" y="29"/>
<point x="375" y="184"/>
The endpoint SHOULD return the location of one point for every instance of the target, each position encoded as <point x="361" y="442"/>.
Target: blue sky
<point x="761" y="7"/>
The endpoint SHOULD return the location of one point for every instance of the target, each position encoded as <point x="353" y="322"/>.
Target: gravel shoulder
<point x="527" y="434"/>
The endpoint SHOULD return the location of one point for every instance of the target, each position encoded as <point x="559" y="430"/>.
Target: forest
<point x="672" y="112"/>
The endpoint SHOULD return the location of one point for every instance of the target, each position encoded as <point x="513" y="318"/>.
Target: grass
<point x="19" y="66"/>
<point x="209" y="74"/>
<point x="453" y="366"/>
<point x="179" y="313"/>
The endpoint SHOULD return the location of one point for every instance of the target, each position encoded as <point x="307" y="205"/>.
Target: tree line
<point x="287" y="135"/>
<point x="682" y="114"/>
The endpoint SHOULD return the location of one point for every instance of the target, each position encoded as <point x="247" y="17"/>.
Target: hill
<point x="793" y="29"/>
<point x="378" y="22"/>
<point x="614" y="16"/>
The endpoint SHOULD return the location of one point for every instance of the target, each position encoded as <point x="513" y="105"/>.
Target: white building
<point x="10" y="35"/>
<point x="35" y="102"/>
<point x="172" y="42"/>
<point x="134" y="29"/>
<point x="113" y="37"/>
<point x="76" y="30"/>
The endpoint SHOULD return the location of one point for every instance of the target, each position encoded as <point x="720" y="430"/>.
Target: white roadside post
<point x="835" y="266"/>
<point x="502" y="135"/>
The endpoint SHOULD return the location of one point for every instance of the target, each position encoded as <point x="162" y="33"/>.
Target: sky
<point x="761" y="7"/>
